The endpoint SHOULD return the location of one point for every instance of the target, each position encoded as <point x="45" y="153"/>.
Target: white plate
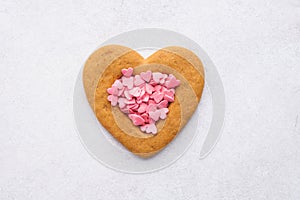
<point x="104" y="148"/>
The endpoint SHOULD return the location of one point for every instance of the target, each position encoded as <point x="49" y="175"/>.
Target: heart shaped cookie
<point x="110" y="63"/>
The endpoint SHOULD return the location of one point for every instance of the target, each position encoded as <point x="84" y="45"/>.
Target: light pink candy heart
<point x="172" y="83"/>
<point x="162" y="81"/>
<point x="116" y="91"/>
<point x="136" y="91"/>
<point x="127" y="82"/>
<point x="151" y="128"/>
<point x="125" y="110"/>
<point x="154" y="115"/>
<point x="118" y="84"/>
<point x="144" y="127"/>
<point x="121" y="91"/>
<point x="157" y="96"/>
<point x="113" y="100"/>
<point x="157" y="76"/>
<point x="121" y="102"/>
<point x="151" y="121"/>
<point x="146" y="76"/>
<point x="127" y="72"/>
<point x="138" y="80"/>
<point x="163" y="113"/>
<point x="151" y="107"/>
<point x="136" y="119"/>
<point x="149" y="88"/>
<point x="127" y="95"/>
<point x="110" y="90"/>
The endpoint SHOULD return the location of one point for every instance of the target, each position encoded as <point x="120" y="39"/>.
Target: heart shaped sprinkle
<point x="118" y="84"/>
<point x="149" y="88"/>
<point x="145" y="97"/>
<point x="127" y="72"/>
<point x="121" y="102"/>
<point x="154" y="115"/>
<point x="146" y="76"/>
<point x="113" y="99"/>
<point x="163" y="104"/>
<point x="151" y="128"/>
<point x="138" y="80"/>
<point x="128" y="82"/>
<point x="157" y="77"/>
<point x="172" y="82"/>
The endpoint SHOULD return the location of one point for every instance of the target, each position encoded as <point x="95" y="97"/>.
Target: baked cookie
<point x="105" y="66"/>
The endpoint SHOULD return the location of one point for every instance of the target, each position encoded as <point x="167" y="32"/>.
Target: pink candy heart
<point x="113" y="90"/>
<point x="142" y="108"/>
<point x="157" y="96"/>
<point x="172" y="82"/>
<point x="169" y="96"/>
<point x="162" y="104"/>
<point x="127" y="72"/>
<point x="136" y="119"/>
<point x="146" y="76"/>
<point x="144" y="97"/>
<point x="113" y="99"/>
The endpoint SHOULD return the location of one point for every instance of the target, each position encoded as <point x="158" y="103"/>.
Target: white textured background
<point x="255" y="46"/>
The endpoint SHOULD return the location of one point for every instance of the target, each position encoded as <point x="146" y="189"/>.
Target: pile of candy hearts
<point x="144" y="98"/>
